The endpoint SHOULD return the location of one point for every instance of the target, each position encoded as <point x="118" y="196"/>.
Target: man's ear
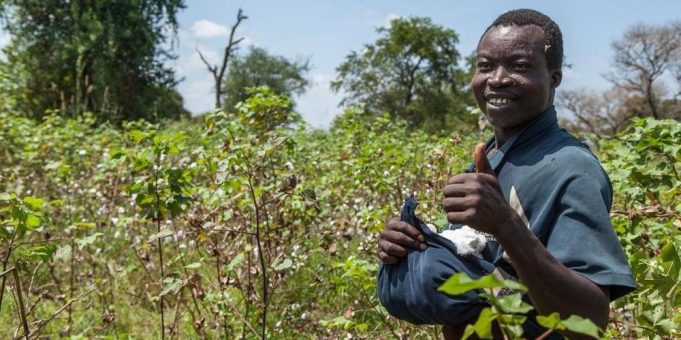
<point x="556" y="78"/>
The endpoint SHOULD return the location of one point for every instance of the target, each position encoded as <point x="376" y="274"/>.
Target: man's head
<point x="518" y="67"/>
<point x="553" y="38"/>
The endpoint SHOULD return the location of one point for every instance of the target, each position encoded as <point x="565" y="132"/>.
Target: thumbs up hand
<point x="475" y="199"/>
<point x="481" y="162"/>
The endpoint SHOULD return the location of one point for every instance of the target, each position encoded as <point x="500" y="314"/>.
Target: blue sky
<point x="327" y="31"/>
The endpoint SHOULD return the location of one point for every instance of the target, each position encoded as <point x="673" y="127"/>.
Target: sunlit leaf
<point x="35" y="203"/>
<point x="460" y="283"/>
<point x="88" y="240"/>
<point x="581" y="325"/>
<point x="287" y="263"/>
<point x="235" y="262"/>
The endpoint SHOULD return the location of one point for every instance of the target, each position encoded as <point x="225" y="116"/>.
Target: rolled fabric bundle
<point x="408" y="289"/>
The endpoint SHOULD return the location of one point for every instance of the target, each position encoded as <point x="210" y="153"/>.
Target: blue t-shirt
<point x="561" y="191"/>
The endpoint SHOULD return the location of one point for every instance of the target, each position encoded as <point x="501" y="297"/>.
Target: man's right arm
<point x="396" y="238"/>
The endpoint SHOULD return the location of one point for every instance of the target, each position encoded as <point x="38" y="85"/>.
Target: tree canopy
<point x="101" y="56"/>
<point x="260" y="68"/>
<point x="411" y="72"/>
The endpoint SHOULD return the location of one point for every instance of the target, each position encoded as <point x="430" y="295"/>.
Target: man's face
<point x="512" y="83"/>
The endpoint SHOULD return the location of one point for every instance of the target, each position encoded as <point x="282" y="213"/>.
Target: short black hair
<point x="552" y="35"/>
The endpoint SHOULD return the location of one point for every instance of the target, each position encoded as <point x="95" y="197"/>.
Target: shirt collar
<point x="546" y="121"/>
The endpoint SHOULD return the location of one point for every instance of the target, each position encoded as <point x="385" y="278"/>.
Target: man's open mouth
<point x="499" y="101"/>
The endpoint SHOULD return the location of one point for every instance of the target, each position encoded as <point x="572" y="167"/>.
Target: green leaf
<point x="513" y="304"/>
<point x="236" y="261"/>
<point x="34" y="203"/>
<point x="164" y="233"/>
<point x="32" y="221"/>
<point x="87" y="225"/>
<point x="470" y="329"/>
<point x="5" y="233"/>
<point x="483" y="326"/>
<point x="194" y="265"/>
<point x="43" y="252"/>
<point x="88" y="240"/>
<point x="460" y="283"/>
<point x="117" y="153"/>
<point x="552" y="321"/>
<point x="63" y="253"/>
<point x="171" y="286"/>
<point x="287" y="263"/>
<point x="5" y="196"/>
<point x="137" y="135"/>
<point x="440" y="222"/>
<point x="578" y="324"/>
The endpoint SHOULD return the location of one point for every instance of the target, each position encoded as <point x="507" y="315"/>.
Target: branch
<point x="22" y="308"/>
<point x="231" y="45"/>
<point x="212" y="69"/>
<point x="42" y="323"/>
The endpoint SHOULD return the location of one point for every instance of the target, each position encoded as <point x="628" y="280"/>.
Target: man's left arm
<point x="476" y="199"/>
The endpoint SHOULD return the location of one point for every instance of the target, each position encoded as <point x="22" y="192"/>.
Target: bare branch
<point x="212" y="69"/>
<point x="42" y="323"/>
<point x="642" y="57"/>
<point x="229" y="49"/>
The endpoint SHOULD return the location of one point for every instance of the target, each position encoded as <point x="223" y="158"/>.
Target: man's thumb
<point x="481" y="162"/>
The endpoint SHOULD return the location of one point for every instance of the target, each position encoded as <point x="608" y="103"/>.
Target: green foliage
<point x="265" y="110"/>
<point x="100" y="56"/>
<point x="644" y="165"/>
<point x="411" y="72"/>
<point x="259" y="68"/>
<point x="272" y="227"/>
<point x="509" y="311"/>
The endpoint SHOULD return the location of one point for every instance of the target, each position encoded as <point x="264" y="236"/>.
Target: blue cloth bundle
<point x="408" y="289"/>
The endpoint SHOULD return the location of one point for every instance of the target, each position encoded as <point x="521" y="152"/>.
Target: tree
<point x="643" y="56"/>
<point x="411" y="72"/>
<point x="259" y="68"/>
<point x="601" y="113"/>
<point x="101" y="56"/>
<point x="219" y="72"/>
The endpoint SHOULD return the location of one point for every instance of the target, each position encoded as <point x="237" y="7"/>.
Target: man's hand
<point x="395" y="238"/>
<point x="475" y="199"/>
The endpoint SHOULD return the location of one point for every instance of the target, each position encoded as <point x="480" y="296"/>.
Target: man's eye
<point x="521" y="66"/>
<point x="484" y="66"/>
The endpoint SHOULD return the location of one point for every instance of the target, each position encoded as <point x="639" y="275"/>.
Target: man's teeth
<point x="499" y="101"/>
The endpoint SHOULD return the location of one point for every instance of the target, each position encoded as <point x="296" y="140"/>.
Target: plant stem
<point x="22" y="310"/>
<point x="4" y="265"/>
<point x="260" y="255"/>
<point x="160" y="247"/>
<point x="71" y="280"/>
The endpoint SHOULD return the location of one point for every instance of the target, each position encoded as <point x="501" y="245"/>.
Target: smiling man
<point x="538" y="193"/>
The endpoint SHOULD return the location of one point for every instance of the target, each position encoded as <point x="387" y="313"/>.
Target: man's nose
<point x="500" y="77"/>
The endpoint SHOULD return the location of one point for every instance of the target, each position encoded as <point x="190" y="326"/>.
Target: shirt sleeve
<point x="583" y="238"/>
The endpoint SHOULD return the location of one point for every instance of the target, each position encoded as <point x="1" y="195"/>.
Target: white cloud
<point x="319" y="105"/>
<point x="209" y="29"/>
<point x="390" y="17"/>
<point x="198" y="95"/>
<point x="374" y="19"/>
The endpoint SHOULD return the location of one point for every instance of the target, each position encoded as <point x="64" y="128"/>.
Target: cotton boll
<point x="466" y="240"/>
<point x="432" y="227"/>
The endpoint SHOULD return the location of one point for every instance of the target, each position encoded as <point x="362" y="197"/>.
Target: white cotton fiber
<point x="466" y="239"/>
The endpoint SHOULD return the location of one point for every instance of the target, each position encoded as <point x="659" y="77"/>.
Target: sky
<point x="327" y="31"/>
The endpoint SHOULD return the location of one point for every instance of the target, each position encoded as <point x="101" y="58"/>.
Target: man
<point x="542" y="197"/>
